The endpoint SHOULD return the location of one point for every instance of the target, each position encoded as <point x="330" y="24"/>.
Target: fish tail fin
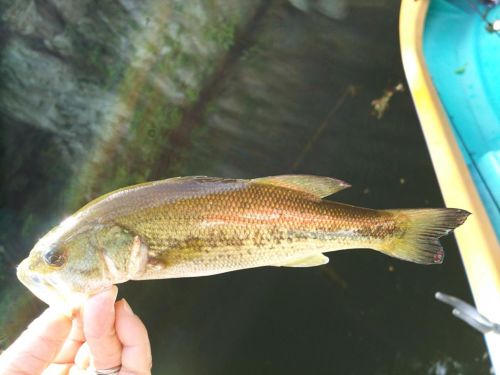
<point x="422" y="229"/>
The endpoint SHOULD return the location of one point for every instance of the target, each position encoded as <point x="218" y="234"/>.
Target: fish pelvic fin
<point x="317" y="186"/>
<point x="422" y="229"/>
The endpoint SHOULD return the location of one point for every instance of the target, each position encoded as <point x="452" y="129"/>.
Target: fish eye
<point x="54" y="257"/>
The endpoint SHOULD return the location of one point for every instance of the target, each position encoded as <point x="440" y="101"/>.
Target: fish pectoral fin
<point x="315" y="185"/>
<point x="308" y="261"/>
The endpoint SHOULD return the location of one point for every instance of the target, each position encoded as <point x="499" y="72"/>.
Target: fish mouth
<point x="50" y="290"/>
<point x="40" y="285"/>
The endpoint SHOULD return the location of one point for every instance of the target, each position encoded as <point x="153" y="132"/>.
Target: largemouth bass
<point x="198" y="226"/>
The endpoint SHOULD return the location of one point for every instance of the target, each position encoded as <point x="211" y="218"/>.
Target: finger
<point x="136" y="352"/>
<point x="37" y="347"/>
<point x="77" y="371"/>
<point x="99" y="329"/>
<point x="73" y="342"/>
<point x="57" y="369"/>
<point x="82" y="359"/>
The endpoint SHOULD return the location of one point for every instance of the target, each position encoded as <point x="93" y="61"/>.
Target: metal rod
<point x="469" y="314"/>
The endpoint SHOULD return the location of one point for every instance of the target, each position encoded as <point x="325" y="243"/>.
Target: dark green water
<point x="100" y="96"/>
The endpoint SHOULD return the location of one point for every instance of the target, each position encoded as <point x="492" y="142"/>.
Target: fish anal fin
<point x="308" y="261"/>
<point x="315" y="185"/>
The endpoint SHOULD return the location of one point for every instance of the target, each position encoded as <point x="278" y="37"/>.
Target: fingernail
<point x="109" y="294"/>
<point x="105" y="299"/>
<point x="127" y="307"/>
<point x="115" y="292"/>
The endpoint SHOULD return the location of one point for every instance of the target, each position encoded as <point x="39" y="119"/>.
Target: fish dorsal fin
<point x="308" y="261"/>
<point x="315" y="185"/>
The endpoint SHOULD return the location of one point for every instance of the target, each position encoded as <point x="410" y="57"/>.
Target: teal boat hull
<point x="463" y="59"/>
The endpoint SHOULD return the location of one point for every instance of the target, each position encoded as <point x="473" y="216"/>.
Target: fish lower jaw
<point x="72" y="304"/>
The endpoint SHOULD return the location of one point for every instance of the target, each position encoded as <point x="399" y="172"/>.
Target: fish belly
<point x="201" y="258"/>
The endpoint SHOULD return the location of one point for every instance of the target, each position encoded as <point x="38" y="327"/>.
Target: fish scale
<point x="198" y="226"/>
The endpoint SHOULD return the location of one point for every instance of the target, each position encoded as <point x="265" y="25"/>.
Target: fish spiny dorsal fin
<point x="315" y="185"/>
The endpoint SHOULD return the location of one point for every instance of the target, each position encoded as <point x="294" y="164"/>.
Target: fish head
<point x="67" y="264"/>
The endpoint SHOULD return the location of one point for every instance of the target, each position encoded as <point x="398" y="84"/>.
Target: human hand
<point x="106" y="335"/>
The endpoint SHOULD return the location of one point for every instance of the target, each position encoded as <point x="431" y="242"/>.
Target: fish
<point x="200" y="226"/>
